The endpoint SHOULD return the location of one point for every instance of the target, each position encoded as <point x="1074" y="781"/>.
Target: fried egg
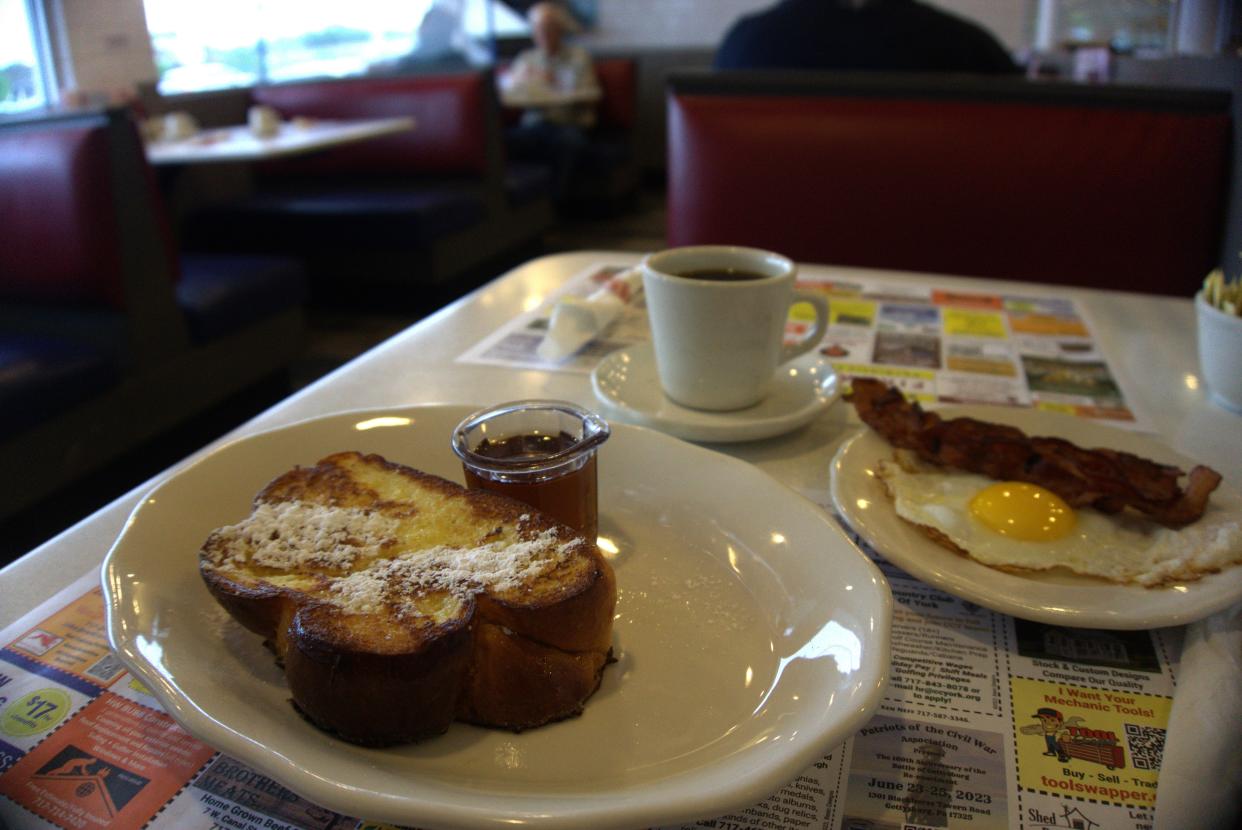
<point x="1015" y="525"/>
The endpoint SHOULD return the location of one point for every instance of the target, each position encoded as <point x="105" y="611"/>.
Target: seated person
<point x="887" y="35"/>
<point x="441" y="46"/>
<point x="554" y="133"/>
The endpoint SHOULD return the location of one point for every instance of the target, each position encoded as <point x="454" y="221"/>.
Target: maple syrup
<point x="542" y="453"/>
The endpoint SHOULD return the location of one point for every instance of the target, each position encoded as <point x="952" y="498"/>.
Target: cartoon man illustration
<point x="1052" y="724"/>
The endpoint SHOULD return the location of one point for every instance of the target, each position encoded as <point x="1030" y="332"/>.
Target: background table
<point x="236" y="144"/>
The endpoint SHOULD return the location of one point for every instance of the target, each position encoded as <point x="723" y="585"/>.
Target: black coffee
<point x="722" y="275"/>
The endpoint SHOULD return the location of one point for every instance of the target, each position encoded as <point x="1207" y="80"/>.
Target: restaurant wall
<point x="662" y="23"/>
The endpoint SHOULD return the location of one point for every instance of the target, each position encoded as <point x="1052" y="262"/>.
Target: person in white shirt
<point x="555" y="68"/>
<point x="554" y="133"/>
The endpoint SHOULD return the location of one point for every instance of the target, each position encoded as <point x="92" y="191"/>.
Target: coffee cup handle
<point x="791" y="350"/>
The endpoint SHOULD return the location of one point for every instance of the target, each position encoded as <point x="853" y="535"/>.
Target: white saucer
<point x="627" y="383"/>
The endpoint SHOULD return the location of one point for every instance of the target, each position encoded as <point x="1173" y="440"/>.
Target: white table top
<point x="1149" y="342"/>
<point x="234" y="144"/>
<point x="542" y="97"/>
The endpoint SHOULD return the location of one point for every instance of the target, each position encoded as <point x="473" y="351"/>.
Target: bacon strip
<point x="1108" y="480"/>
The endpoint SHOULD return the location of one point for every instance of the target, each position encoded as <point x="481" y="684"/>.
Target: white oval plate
<point x="752" y="637"/>
<point x="628" y="384"/>
<point x="1056" y="596"/>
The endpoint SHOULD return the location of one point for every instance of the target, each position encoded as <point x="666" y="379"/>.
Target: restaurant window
<point x="1127" y="26"/>
<point x="25" y="62"/>
<point x="228" y="43"/>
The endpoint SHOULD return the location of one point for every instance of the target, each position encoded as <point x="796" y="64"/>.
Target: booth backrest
<point x="455" y="117"/>
<point x="57" y="211"/>
<point x="89" y="250"/>
<point x="618" y="82"/>
<point x="1102" y="186"/>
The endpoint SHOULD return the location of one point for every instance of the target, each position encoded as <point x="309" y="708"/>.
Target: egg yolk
<point x="1023" y="511"/>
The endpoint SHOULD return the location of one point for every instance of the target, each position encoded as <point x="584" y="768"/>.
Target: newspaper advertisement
<point x="950" y="347"/>
<point x="987" y="722"/>
<point x="514" y="345"/>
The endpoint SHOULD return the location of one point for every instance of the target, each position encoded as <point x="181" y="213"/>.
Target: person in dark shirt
<point x="889" y="35"/>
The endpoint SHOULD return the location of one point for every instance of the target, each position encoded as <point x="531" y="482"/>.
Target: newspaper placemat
<point x="988" y="722"/>
<point x="941" y="346"/>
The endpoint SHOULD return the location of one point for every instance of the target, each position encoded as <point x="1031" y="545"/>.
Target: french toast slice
<point x="398" y="601"/>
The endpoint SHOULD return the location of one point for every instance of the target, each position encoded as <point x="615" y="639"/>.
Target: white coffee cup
<point x="1220" y="354"/>
<point x="263" y="120"/>
<point x="179" y="125"/>
<point x="718" y="342"/>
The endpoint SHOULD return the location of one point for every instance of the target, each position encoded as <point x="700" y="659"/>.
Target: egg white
<point x="1123" y="547"/>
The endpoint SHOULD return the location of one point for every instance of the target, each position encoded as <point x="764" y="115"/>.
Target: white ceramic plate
<point x="627" y="383"/>
<point x="752" y="637"/>
<point x="1057" y="596"/>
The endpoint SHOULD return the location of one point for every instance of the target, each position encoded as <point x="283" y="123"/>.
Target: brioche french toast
<point x="398" y="601"/>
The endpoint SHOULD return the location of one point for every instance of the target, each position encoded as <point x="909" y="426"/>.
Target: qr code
<point x="1146" y="745"/>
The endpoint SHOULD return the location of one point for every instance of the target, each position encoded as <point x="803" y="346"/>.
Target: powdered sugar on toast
<point x="293" y="534"/>
<point x="497" y="566"/>
<point x="297" y="535"/>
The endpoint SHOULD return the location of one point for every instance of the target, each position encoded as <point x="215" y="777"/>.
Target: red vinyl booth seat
<point x="94" y="233"/>
<point x="1102" y="187"/>
<point x="618" y="84"/>
<point x="59" y="220"/>
<point x="107" y="336"/>
<point x="450" y="134"/>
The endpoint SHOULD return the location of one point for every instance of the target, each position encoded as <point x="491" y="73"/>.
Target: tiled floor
<point x="334" y="337"/>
